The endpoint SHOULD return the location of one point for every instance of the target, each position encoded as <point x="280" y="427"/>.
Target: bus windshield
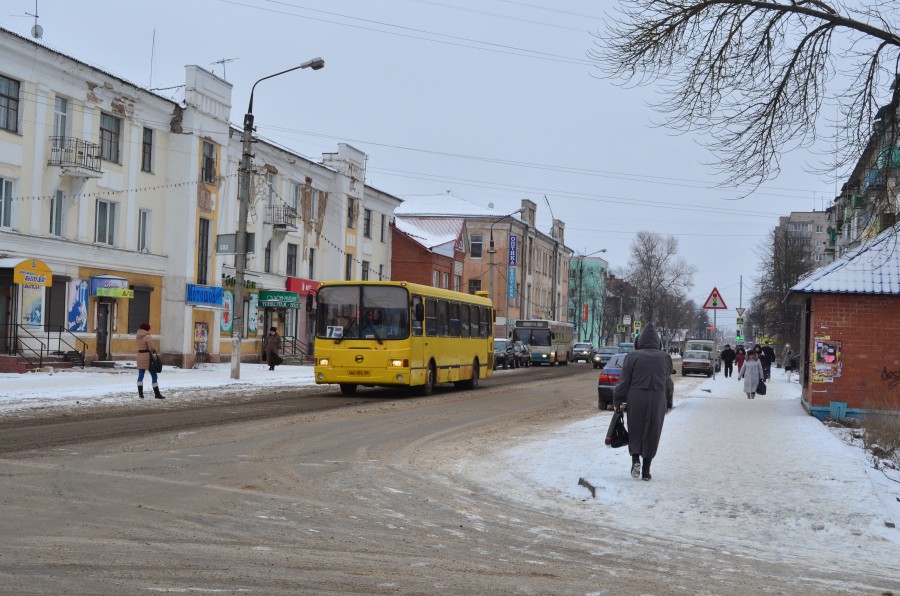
<point x="532" y="337"/>
<point x="362" y="312"/>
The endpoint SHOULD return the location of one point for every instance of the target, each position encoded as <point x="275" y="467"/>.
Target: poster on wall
<point x="32" y="305"/>
<point x="253" y="315"/>
<point x="227" y="311"/>
<point x="77" y="306"/>
<point x="827" y="363"/>
<point x="201" y="338"/>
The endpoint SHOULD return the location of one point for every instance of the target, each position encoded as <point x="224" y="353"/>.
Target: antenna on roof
<point x="37" y="31"/>
<point x="224" y="61"/>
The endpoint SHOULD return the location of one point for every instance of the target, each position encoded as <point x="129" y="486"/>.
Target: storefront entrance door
<point x="103" y="330"/>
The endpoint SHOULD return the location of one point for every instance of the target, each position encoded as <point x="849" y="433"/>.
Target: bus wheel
<point x="348" y="388"/>
<point x="430" y="376"/>
<point x="473" y="382"/>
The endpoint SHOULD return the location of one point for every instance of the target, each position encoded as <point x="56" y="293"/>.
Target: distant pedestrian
<point x="272" y="347"/>
<point x="645" y="383"/>
<point x="752" y="373"/>
<point x="789" y="361"/>
<point x="769" y="353"/>
<point x="727" y="357"/>
<point x="145" y="348"/>
<point x="740" y="356"/>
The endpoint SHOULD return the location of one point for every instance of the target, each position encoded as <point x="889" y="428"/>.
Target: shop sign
<point x="278" y="299"/>
<point x="114" y="293"/>
<point x="302" y="286"/>
<point x="33" y="272"/>
<point x="205" y="295"/>
<point x="110" y="286"/>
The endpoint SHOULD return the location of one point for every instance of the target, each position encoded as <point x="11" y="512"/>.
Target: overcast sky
<point x="493" y="100"/>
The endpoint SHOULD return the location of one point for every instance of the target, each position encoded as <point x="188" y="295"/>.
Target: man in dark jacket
<point x="646" y="384"/>
<point x="769" y="351"/>
<point x="727" y="357"/>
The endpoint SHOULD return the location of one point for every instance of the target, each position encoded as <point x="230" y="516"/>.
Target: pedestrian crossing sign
<point x="715" y="302"/>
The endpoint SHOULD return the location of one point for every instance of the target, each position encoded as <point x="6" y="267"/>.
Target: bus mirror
<point x="493" y="315"/>
<point x="419" y="311"/>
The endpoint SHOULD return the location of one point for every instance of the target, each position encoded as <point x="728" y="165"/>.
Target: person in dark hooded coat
<point x="645" y="383"/>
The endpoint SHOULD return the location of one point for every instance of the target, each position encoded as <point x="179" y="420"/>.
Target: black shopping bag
<point x="617" y="435"/>
<point x="761" y="387"/>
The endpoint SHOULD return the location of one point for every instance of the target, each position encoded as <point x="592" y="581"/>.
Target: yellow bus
<point x="400" y="334"/>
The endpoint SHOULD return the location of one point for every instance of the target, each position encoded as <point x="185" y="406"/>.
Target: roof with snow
<point x="438" y="234"/>
<point x="444" y="205"/>
<point x="873" y="268"/>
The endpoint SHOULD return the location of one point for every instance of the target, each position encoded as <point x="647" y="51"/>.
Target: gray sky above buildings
<point x="493" y="100"/>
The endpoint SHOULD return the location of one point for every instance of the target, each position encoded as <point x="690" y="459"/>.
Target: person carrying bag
<point x="147" y="359"/>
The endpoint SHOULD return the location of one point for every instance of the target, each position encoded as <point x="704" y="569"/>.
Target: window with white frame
<point x="445" y="280"/>
<point x="457" y="283"/>
<point x="475" y="245"/>
<point x="270" y="190"/>
<point x="143" y="244"/>
<point x="314" y="204"/>
<point x="436" y="279"/>
<point x="820" y="229"/>
<point x="147" y="150"/>
<point x="267" y="261"/>
<point x="9" y="104"/>
<point x="6" y="189"/>
<point x="208" y="167"/>
<point x="351" y="212"/>
<point x="291" y="268"/>
<point x="296" y="196"/>
<point x="60" y="122"/>
<point x="312" y="264"/>
<point x="105" y="222"/>
<point x="348" y="266"/>
<point x="56" y="214"/>
<point x="365" y="271"/>
<point x="367" y="223"/>
<point x="110" y="137"/>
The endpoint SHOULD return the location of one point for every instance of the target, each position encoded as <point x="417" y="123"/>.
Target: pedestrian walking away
<point x="727" y="357"/>
<point x="272" y="347"/>
<point x="769" y="353"/>
<point x="752" y="373"/>
<point x="740" y="356"/>
<point x="146" y="348"/>
<point x="646" y="386"/>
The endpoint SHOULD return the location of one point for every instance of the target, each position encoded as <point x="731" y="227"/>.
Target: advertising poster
<point x="827" y="363"/>
<point x="32" y="305"/>
<point x="77" y="306"/>
<point x="227" y="320"/>
<point x="201" y="338"/>
<point x="253" y="315"/>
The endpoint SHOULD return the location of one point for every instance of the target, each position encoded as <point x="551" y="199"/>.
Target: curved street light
<point x="240" y="256"/>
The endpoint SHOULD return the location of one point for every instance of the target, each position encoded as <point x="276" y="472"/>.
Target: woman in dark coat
<point x="272" y="347"/>
<point x="145" y="347"/>
<point x="645" y="383"/>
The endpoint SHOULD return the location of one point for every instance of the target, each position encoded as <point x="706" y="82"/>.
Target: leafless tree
<point x="656" y="271"/>
<point x="756" y="75"/>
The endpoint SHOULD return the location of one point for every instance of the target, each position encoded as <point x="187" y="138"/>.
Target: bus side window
<point x="486" y="321"/>
<point x="416" y="324"/>
<point x="430" y="317"/>
<point x="443" y="318"/>
<point x="454" y="319"/>
<point x="464" y="320"/>
<point x="474" y="323"/>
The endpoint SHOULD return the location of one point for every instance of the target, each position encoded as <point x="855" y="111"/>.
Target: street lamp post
<point x="580" y="307"/>
<point x="491" y="250"/>
<point x="240" y="256"/>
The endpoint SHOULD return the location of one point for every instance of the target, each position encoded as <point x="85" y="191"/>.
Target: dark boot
<point x="645" y="469"/>
<point x="156" y="392"/>
<point x="141" y="391"/>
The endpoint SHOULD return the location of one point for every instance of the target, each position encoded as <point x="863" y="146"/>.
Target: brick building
<point x="429" y="251"/>
<point x="851" y="364"/>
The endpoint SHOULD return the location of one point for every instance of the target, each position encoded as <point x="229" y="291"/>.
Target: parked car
<point x="582" y="351"/>
<point x="626" y="346"/>
<point x="602" y="355"/>
<point x="521" y="355"/>
<point x="697" y="362"/>
<point x="609" y="378"/>
<point x="707" y="345"/>
<point x="503" y="353"/>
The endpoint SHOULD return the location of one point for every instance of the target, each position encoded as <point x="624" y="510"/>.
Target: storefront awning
<point x="278" y="299"/>
<point x="28" y="271"/>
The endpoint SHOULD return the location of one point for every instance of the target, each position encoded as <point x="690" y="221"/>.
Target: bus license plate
<point x="359" y="373"/>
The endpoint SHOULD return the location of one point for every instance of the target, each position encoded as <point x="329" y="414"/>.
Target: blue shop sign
<point x="205" y="295"/>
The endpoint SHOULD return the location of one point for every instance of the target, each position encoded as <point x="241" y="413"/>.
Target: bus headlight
<point x="400" y="363"/>
<point x="323" y="361"/>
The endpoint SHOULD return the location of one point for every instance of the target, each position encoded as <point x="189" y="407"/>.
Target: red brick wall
<point x="412" y="262"/>
<point x="869" y="330"/>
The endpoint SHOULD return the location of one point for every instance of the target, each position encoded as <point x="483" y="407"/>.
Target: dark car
<point x="609" y="378"/>
<point x="582" y="351"/>
<point x="521" y="355"/>
<point x="602" y="355"/>
<point x="503" y="353"/>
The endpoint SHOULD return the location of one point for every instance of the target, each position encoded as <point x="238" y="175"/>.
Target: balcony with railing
<point x="76" y="157"/>
<point x="282" y="217"/>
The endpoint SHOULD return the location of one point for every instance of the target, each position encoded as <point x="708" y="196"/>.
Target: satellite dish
<point x="490" y="205"/>
<point x="37" y="31"/>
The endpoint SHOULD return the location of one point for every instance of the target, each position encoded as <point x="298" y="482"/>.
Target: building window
<point x="474" y="285"/>
<point x="60" y="122"/>
<point x="138" y="308"/>
<point x="383" y="225"/>
<point x="143" y="244"/>
<point x="267" y="261"/>
<point x="9" y="104"/>
<point x="203" y="252"/>
<point x="105" y="223"/>
<point x="365" y="271"/>
<point x="457" y="283"/>
<point x="296" y="196"/>
<point x="270" y="188"/>
<point x="208" y="167"/>
<point x="110" y="137"/>
<point x="818" y="258"/>
<point x="435" y="279"/>
<point x="312" y="264"/>
<point x="475" y="246"/>
<point x="291" y="260"/>
<point x="5" y="202"/>
<point x="56" y="214"/>
<point x="819" y="229"/>
<point x="380" y="272"/>
<point x="147" y="150"/>
<point x="367" y="223"/>
<point x="314" y="204"/>
<point x="351" y="212"/>
<point x="445" y="280"/>
<point x="348" y="266"/>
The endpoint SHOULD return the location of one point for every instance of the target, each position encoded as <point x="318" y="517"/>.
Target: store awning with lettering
<point x="204" y="296"/>
<point x="278" y="299"/>
<point x="29" y="271"/>
<point x="110" y="286"/>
